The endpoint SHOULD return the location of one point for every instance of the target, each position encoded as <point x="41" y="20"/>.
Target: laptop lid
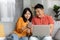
<point x="41" y="30"/>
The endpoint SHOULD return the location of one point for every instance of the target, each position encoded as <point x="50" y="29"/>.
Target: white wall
<point x="26" y="3"/>
<point x="30" y="3"/>
<point x="18" y="9"/>
<point x="34" y="2"/>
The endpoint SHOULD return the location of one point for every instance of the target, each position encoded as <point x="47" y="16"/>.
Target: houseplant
<point x="56" y="10"/>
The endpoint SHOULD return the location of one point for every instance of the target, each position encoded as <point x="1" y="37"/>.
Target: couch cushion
<point x="57" y="35"/>
<point x="2" y="34"/>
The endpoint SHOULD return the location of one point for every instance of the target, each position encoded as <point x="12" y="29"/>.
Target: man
<point x="42" y="19"/>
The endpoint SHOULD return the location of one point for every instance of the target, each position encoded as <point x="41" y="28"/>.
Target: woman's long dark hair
<point x="24" y="12"/>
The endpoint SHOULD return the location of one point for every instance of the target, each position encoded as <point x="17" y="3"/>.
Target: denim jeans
<point x="40" y="38"/>
<point x="15" y="37"/>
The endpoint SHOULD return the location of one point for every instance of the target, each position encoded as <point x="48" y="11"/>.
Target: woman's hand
<point x="28" y="30"/>
<point x="29" y="25"/>
<point x="29" y="33"/>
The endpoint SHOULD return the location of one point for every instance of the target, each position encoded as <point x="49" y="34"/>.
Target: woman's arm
<point x="18" y="25"/>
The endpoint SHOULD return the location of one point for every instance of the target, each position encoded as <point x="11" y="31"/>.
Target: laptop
<point x="41" y="30"/>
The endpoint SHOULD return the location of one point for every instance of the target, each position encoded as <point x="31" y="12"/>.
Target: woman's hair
<point x="24" y="12"/>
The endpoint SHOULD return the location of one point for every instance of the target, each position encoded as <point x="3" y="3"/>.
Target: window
<point x="7" y="10"/>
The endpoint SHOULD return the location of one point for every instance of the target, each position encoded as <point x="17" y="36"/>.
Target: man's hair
<point x="39" y="6"/>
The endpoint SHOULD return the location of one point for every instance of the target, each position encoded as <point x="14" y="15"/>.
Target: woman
<point x="22" y="28"/>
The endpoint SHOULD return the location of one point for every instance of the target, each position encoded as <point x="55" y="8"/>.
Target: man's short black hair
<point x="39" y="6"/>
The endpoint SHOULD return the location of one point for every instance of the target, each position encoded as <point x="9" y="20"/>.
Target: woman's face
<point x="27" y="15"/>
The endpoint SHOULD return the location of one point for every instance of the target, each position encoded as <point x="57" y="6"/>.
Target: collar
<point x="41" y="17"/>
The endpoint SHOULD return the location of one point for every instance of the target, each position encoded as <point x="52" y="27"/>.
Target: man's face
<point x="39" y="12"/>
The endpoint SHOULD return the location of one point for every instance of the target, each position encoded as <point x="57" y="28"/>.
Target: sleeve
<point x="33" y="21"/>
<point x="51" y="20"/>
<point x="18" y="24"/>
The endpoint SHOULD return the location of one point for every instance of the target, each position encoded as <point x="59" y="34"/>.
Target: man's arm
<point x="51" y="29"/>
<point x="51" y="22"/>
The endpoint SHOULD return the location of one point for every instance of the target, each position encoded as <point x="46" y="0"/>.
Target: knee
<point x="14" y="36"/>
<point x="25" y="38"/>
<point x="47" y="38"/>
<point x="33" y="38"/>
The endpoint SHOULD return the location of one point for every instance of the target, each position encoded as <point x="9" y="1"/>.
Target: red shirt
<point x="45" y="20"/>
